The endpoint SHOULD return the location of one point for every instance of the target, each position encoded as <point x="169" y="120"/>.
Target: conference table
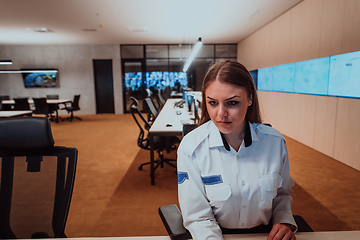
<point x="56" y="102"/>
<point x="169" y="122"/>
<point x="4" y="114"/>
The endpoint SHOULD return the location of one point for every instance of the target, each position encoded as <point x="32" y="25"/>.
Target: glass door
<point x="134" y="82"/>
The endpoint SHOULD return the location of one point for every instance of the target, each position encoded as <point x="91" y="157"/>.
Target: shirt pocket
<point x="218" y="193"/>
<point x="268" y="190"/>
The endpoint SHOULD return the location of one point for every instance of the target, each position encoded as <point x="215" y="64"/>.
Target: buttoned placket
<point x="243" y="187"/>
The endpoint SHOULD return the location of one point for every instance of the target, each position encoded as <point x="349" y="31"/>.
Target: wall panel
<point x="325" y="119"/>
<point x="347" y="132"/>
<point x="307" y="114"/>
<point x="332" y="28"/>
<point x="351" y="22"/>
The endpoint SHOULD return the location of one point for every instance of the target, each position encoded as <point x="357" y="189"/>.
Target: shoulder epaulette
<point x="269" y="131"/>
<point x="190" y="142"/>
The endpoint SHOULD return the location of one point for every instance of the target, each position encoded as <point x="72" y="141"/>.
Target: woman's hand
<point x="281" y="231"/>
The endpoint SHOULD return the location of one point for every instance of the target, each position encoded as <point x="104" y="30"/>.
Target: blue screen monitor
<point x="265" y="79"/>
<point x="283" y="78"/>
<point x="312" y="76"/>
<point x="344" y="79"/>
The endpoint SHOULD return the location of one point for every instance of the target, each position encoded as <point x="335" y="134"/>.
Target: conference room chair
<point x="21" y="104"/>
<point x="173" y="223"/>
<point x="72" y="108"/>
<point x="37" y="180"/>
<point x="161" y="143"/>
<point x="4" y="97"/>
<point x="5" y="107"/>
<point x="52" y="96"/>
<point x="53" y="107"/>
<point x="43" y="108"/>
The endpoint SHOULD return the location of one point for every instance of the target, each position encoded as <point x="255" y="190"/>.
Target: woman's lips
<point x="223" y="123"/>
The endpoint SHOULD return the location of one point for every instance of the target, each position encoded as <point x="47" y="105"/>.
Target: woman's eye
<point x="212" y="103"/>
<point x="232" y="103"/>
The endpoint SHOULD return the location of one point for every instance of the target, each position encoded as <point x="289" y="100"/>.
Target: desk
<point x="167" y="115"/>
<point x="4" y="114"/>
<point x="347" y="235"/>
<point x="56" y="102"/>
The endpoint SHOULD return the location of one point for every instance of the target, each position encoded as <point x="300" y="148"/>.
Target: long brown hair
<point x="232" y="72"/>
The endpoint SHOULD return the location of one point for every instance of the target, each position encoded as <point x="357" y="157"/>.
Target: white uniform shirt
<point x="219" y="186"/>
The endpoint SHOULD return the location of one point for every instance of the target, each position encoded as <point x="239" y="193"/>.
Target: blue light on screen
<point x="344" y="79"/>
<point x="312" y="76"/>
<point x="265" y="79"/>
<point x="283" y="78"/>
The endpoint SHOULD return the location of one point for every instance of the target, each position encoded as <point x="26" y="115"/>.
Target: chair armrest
<point x="303" y="226"/>
<point x="173" y="222"/>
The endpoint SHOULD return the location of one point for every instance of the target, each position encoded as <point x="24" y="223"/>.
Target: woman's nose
<point x="222" y="110"/>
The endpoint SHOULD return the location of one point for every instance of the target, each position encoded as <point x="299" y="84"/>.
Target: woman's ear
<point x="250" y="100"/>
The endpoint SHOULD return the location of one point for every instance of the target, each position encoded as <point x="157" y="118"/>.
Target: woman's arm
<point x="196" y="211"/>
<point x="282" y="215"/>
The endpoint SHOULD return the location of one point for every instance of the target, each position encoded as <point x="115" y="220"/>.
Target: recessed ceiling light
<point x="40" y="30"/>
<point x="138" y="29"/>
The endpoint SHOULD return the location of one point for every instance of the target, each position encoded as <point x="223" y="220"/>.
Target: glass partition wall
<point x="158" y="66"/>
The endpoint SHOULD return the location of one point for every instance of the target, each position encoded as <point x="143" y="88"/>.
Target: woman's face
<point x="227" y="105"/>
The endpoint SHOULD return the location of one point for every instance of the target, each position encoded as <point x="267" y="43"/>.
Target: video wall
<point x="337" y="75"/>
<point x="156" y="79"/>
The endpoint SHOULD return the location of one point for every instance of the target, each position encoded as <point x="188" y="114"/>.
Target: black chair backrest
<point x="52" y="96"/>
<point x="41" y="106"/>
<point x="4" y="107"/>
<point x="75" y="103"/>
<point x="21" y="104"/>
<point x="37" y="179"/>
<point x="140" y="121"/>
<point x="4" y="97"/>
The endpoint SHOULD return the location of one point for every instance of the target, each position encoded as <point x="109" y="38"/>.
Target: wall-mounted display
<point x="337" y="75"/>
<point x="40" y="78"/>
<point x="344" y="79"/>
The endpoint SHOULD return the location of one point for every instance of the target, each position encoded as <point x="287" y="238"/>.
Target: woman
<point x="233" y="171"/>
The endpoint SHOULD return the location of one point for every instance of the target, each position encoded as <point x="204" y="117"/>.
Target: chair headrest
<point x="25" y="133"/>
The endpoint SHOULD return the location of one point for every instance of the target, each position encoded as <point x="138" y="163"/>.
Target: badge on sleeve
<point x="182" y="176"/>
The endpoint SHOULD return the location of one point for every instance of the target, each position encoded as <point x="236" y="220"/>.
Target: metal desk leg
<point x="152" y="170"/>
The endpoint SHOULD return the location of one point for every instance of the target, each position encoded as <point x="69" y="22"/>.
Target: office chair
<point x="52" y="96"/>
<point x="173" y="222"/>
<point x="153" y="111"/>
<point x="74" y="107"/>
<point x="161" y="143"/>
<point x="161" y="98"/>
<point x="42" y="107"/>
<point x="37" y="180"/>
<point x="21" y="104"/>
<point x="5" y="107"/>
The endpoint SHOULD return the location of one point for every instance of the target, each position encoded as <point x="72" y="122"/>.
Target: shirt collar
<point x="216" y="138"/>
